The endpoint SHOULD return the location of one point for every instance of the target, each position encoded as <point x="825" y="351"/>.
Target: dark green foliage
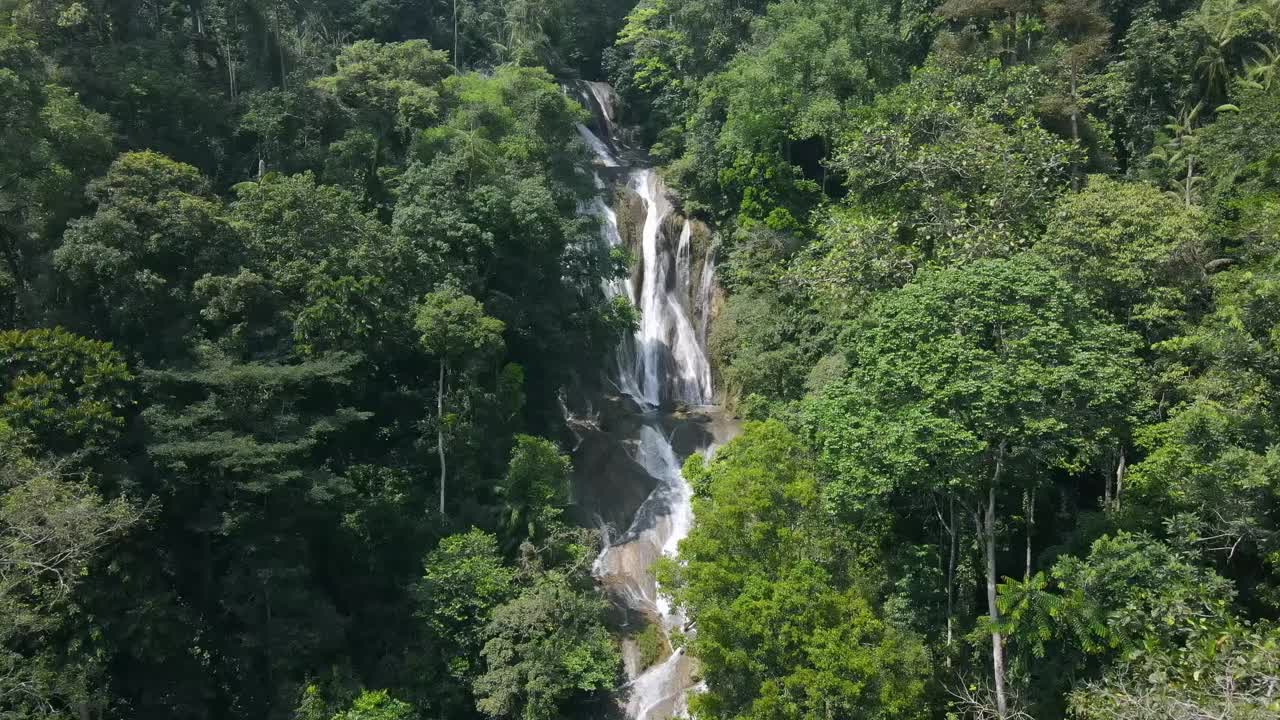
<point x="294" y="183"/>
<point x="289" y="294"/>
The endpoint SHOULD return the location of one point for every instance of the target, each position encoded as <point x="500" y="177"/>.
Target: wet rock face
<point x="609" y="485"/>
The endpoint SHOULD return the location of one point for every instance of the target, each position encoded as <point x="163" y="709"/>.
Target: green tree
<point x="1128" y="593"/>
<point x="1211" y="464"/>
<point x="54" y="146"/>
<point x="777" y="107"/>
<point x="1223" y="669"/>
<point x="534" y="490"/>
<point x="56" y="533"/>
<point x="464" y="580"/>
<point x="390" y="91"/>
<point x="338" y="284"/>
<point x="1136" y="252"/>
<point x="1084" y="32"/>
<point x="959" y="158"/>
<point x="971" y="382"/>
<point x="377" y="705"/>
<point x="781" y="630"/>
<point x="545" y="651"/>
<point x="455" y="329"/>
<point x="247" y="459"/>
<point x="131" y="267"/>
<point x="66" y="393"/>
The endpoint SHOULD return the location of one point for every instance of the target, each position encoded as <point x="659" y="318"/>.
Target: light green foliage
<point x="1000" y="358"/>
<point x="454" y="326"/>
<point x="52" y="527"/>
<point x="855" y="255"/>
<point x="393" y="84"/>
<point x="464" y="580"/>
<point x="755" y="340"/>
<point x="1128" y="595"/>
<point x="1213" y="463"/>
<point x="68" y="393"/>
<point x="805" y="650"/>
<point x="535" y="489"/>
<point x="545" y="652"/>
<point x="55" y="532"/>
<point x="1223" y="670"/>
<point x="377" y="705"/>
<point x="781" y="632"/>
<point x="1129" y="588"/>
<point x="780" y="105"/>
<point x="1242" y="173"/>
<point x="759" y="508"/>
<point x="1137" y="252"/>
<point x="960" y="159"/>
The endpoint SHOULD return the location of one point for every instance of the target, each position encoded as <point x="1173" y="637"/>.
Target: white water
<point x="664" y="363"/>
<point x="705" y="289"/>
<point x="671" y="364"/>
<point x="598" y="147"/>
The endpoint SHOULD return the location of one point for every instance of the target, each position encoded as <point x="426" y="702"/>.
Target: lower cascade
<point x="661" y="410"/>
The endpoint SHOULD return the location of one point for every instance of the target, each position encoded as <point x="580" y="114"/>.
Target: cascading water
<point x="664" y="365"/>
<point x="670" y="362"/>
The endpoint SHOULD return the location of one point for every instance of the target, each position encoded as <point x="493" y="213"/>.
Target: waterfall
<point x="664" y="364"/>
<point x="598" y="147"/>
<point x="706" y="286"/>
<point x="624" y="354"/>
<point x="671" y="364"/>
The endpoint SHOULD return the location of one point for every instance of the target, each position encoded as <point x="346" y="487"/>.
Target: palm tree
<point x="1262" y="73"/>
<point x="1176" y="151"/>
<point x="1217" y="19"/>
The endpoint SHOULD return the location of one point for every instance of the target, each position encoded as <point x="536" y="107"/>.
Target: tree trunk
<point x="457" y="63"/>
<point x="1075" y="125"/>
<point x="284" y="74"/>
<point x="1029" y="507"/>
<point x="986" y="523"/>
<point x="953" y="531"/>
<point x="1191" y="164"/>
<point x="440" y="430"/>
<point x="268" y="638"/>
<point x="231" y="73"/>
<point x="1106" y="486"/>
<point x="1120" y="471"/>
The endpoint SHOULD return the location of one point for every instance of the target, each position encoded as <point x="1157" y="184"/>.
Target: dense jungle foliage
<point x="1002" y="308"/>
<point x="289" y="292"/>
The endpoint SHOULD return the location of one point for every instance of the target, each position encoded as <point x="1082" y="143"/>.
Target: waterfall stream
<point x="661" y="368"/>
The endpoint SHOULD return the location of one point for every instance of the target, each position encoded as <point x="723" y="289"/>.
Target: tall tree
<point x="975" y="382"/>
<point x="1084" y="32"/>
<point x="455" y="329"/>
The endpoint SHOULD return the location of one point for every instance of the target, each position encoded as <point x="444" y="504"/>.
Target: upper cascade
<point x="665" y="363"/>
